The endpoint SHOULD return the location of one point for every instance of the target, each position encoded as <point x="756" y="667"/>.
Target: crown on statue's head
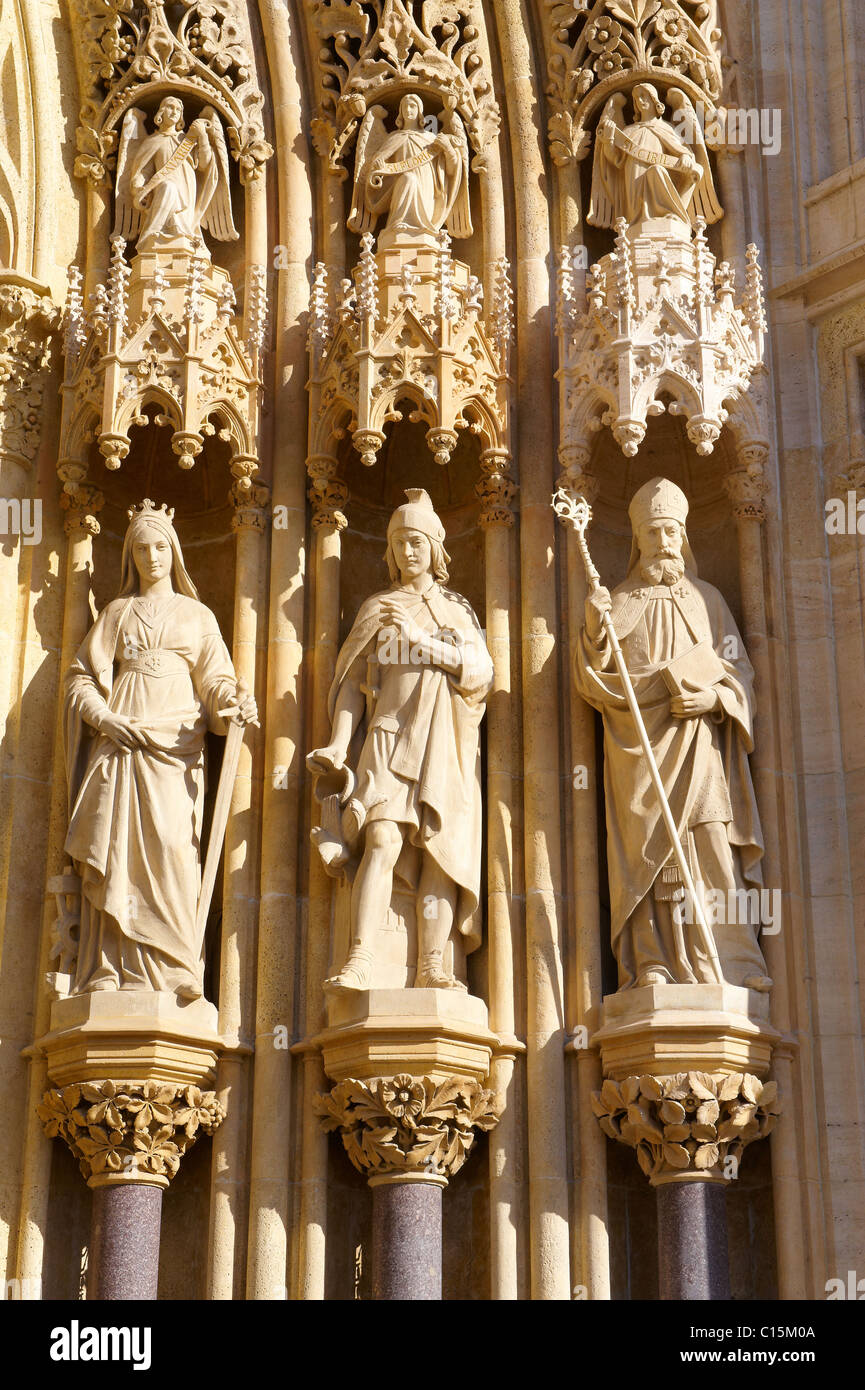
<point x="149" y="508"/>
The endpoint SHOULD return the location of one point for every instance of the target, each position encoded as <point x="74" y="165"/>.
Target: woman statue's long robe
<point x="136" y="815"/>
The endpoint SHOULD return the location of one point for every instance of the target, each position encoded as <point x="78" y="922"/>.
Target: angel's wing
<point x="705" y="200"/>
<point x="459" y="222"/>
<point x="217" y="218"/>
<point x="602" y="205"/>
<point x="127" y="218"/>
<point x="372" y="132"/>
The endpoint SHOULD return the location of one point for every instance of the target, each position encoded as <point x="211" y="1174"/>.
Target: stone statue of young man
<point x="693" y="683"/>
<point x="406" y="706"/>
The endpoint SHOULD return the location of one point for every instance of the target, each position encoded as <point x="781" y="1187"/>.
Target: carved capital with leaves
<point x="408" y="1125"/>
<point x="129" y="1131"/>
<point x="692" y="1124"/>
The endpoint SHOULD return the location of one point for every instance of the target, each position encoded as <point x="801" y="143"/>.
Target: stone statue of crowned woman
<point x="152" y="676"/>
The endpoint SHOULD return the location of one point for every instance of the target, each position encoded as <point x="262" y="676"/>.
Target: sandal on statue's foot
<point x="354" y="975"/>
<point x="431" y="974"/>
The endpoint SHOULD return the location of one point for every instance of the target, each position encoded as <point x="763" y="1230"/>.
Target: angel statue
<point x="399" y="782"/>
<point x="173" y="185"/>
<point x="152" y="676"/>
<point x="420" y="177"/>
<point x="654" y="168"/>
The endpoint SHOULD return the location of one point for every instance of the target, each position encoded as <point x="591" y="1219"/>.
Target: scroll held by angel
<point x="693" y="685"/>
<point x="399" y="782"/>
<point x="653" y="169"/>
<point x="152" y="676"/>
<point x="419" y="177"/>
<point x="173" y="185"/>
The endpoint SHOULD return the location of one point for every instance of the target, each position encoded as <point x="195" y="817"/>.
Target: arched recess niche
<point x="667" y="452"/>
<point x="202" y="514"/>
<point x="202" y="520"/>
<point x="404" y="462"/>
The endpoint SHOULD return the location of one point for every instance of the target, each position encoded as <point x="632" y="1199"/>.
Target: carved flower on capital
<point x="202" y="1111"/>
<point x="105" y="1109"/>
<point x="153" y="1106"/>
<point x="101" y="1149"/>
<point x="403" y="1098"/>
<point x="62" y="1111"/>
<point x="157" y="1153"/>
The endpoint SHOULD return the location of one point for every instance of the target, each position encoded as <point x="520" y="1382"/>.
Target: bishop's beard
<point x="664" y="571"/>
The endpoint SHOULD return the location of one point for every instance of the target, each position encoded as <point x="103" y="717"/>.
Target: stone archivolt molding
<point x="129" y="1131"/>
<point x="410" y="325"/>
<point x="687" y="1125"/>
<point x="597" y="49"/>
<point x="408" y="1126"/>
<point x="134" y="51"/>
<point x="661" y="330"/>
<point x="28" y="321"/>
<point x="401" y="46"/>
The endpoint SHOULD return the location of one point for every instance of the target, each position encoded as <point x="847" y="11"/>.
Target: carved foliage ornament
<point x="28" y="320"/>
<point x="597" y="48"/>
<point x="688" y="1123"/>
<point x="129" y="1129"/>
<point x="411" y="45"/>
<point x="407" y="1124"/>
<point x="130" y="49"/>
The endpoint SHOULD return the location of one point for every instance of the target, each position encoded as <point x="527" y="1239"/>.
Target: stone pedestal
<point x="664" y="1029"/>
<point x="434" y="1033"/>
<point x="685" y="1067"/>
<point x="408" y="1100"/>
<point x="127" y="1068"/>
<point x="131" y="1035"/>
